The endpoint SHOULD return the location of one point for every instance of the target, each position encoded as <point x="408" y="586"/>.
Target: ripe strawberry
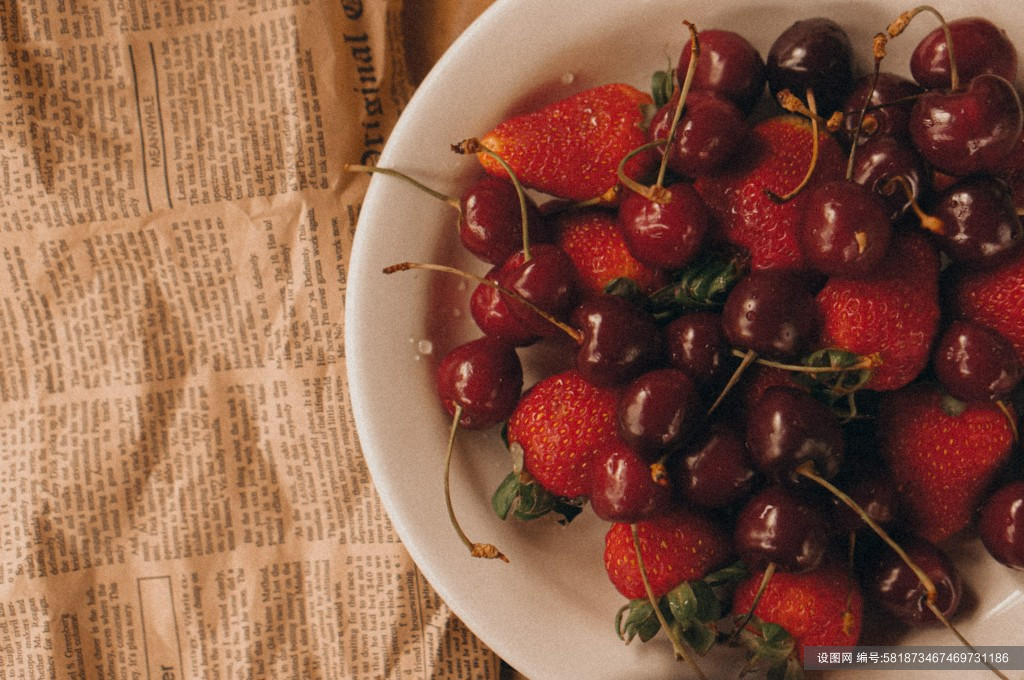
<point x="572" y="148"/>
<point x="559" y="422"/>
<point x="592" y="240"/>
<point x="894" y="313"/>
<point x="776" y="159"/>
<point x="942" y="454"/>
<point x="676" y="547"/>
<point x="822" y="607"/>
<point x="995" y="298"/>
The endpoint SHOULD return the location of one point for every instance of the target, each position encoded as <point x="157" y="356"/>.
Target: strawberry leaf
<point x="725" y="576"/>
<point x="701" y="637"/>
<point x="770" y="647"/>
<point x="640" y="621"/>
<point x="791" y="670"/>
<point x="662" y="85"/>
<point x="625" y="287"/>
<point x="843" y="380"/>
<point x="527" y="500"/>
<point x="704" y="284"/>
<point x="694" y="602"/>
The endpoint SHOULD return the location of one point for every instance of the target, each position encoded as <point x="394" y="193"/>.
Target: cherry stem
<point x="879" y="52"/>
<point x="900" y="24"/>
<point x="864" y="363"/>
<point x="684" y="91"/>
<point x="677" y="645"/>
<point x="473" y="145"/>
<point x="370" y="169"/>
<point x="482" y="550"/>
<point x="807" y="470"/>
<point x="929" y="222"/>
<point x="656" y="192"/>
<point x="748" y="359"/>
<point x="942" y="619"/>
<point x="769" y="571"/>
<point x="576" y="336"/>
<point x="814" y="155"/>
<point x="1010" y="417"/>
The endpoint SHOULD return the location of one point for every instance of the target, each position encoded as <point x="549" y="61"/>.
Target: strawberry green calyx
<point x="522" y="496"/>
<point x="704" y="284"/>
<point x="771" y="650"/>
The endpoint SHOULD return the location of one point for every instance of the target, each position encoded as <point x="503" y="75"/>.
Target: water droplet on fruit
<point x="425" y="347"/>
<point x="568" y="78"/>
<point x="456" y="313"/>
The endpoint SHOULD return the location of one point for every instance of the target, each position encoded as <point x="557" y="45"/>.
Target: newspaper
<point x="184" y="495"/>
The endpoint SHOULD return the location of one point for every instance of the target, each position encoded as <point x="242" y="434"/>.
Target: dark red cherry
<point x="770" y="313"/>
<point x="548" y="280"/>
<point x="708" y="135"/>
<point x="1001" y="524"/>
<point x="490" y="311"/>
<point x="658" y="411"/>
<point x="873" y="489"/>
<point x="484" y="377"/>
<point x="890" y="582"/>
<point x="491" y="226"/>
<point x="882" y="158"/>
<point x="664" y="234"/>
<point x="786" y="428"/>
<point x="621" y="488"/>
<point x="696" y="344"/>
<point x="812" y="54"/>
<point x="783" y="527"/>
<point x="980" y="226"/>
<point x="973" y="362"/>
<point x="845" y="229"/>
<point x="979" y="46"/>
<point x="728" y="66"/>
<point x="716" y="473"/>
<point x="890" y="102"/>
<point x="968" y="131"/>
<point x="620" y="340"/>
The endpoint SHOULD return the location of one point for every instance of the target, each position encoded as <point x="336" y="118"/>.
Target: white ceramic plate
<point x="550" y="612"/>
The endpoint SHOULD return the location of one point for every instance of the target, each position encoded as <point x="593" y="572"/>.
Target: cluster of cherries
<point x="679" y="440"/>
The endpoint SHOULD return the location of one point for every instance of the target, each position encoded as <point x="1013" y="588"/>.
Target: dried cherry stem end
<point x="945" y="622"/>
<point x="807" y="470"/>
<point x="474" y="146"/>
<point x="769" y="571"/>
<point x="748" y="358"/>
<point x="929" y="222"/>
<point x="684" y="91"/>
<point x="576" y="336"/>
<point x="901" y="22"/>
<point x="483" y="550"/>
<point x="814" y="117"/>
<point x="867" y="362"/>
<point x="677" y="646"/>
<point x="655" y="192"/>
<point x="390" y="172"/>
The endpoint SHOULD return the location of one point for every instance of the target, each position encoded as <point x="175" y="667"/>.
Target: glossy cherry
<point x="666" y="233"/>
<point x="812" y="54"/>
<point x="845" y="229"/>
<point x="890" y="582"/>
<point x="980" y="226"/>
<point x="879" y="161"/>
<point x="492" y="314"/>
<point x="788" y="427"/>
<point x="548" y="280"/>
<point x="728" y="66"/>
<point x="696" y="344"/>
<point x="1001" y="524"/>
<point x="658" y="412"/>
<point x="890" y="100"/>
<point x="783" y="527"/>
<point x="619" y="341"/>
<point x="491" y="226"/>
<point x="979" y="46"/>
<point x="974" y="362"/>
<point x="710" y="132"/>
<point x="872" y="488"/>
<point x="770" y="313"/>
<point x="715" y="473"/>
<point x="969" y="130"/>
<point x="621" y="488"/>
<point x="485" y="377"/>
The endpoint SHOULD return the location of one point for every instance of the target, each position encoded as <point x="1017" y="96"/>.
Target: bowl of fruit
<point x="682" y="339"/>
